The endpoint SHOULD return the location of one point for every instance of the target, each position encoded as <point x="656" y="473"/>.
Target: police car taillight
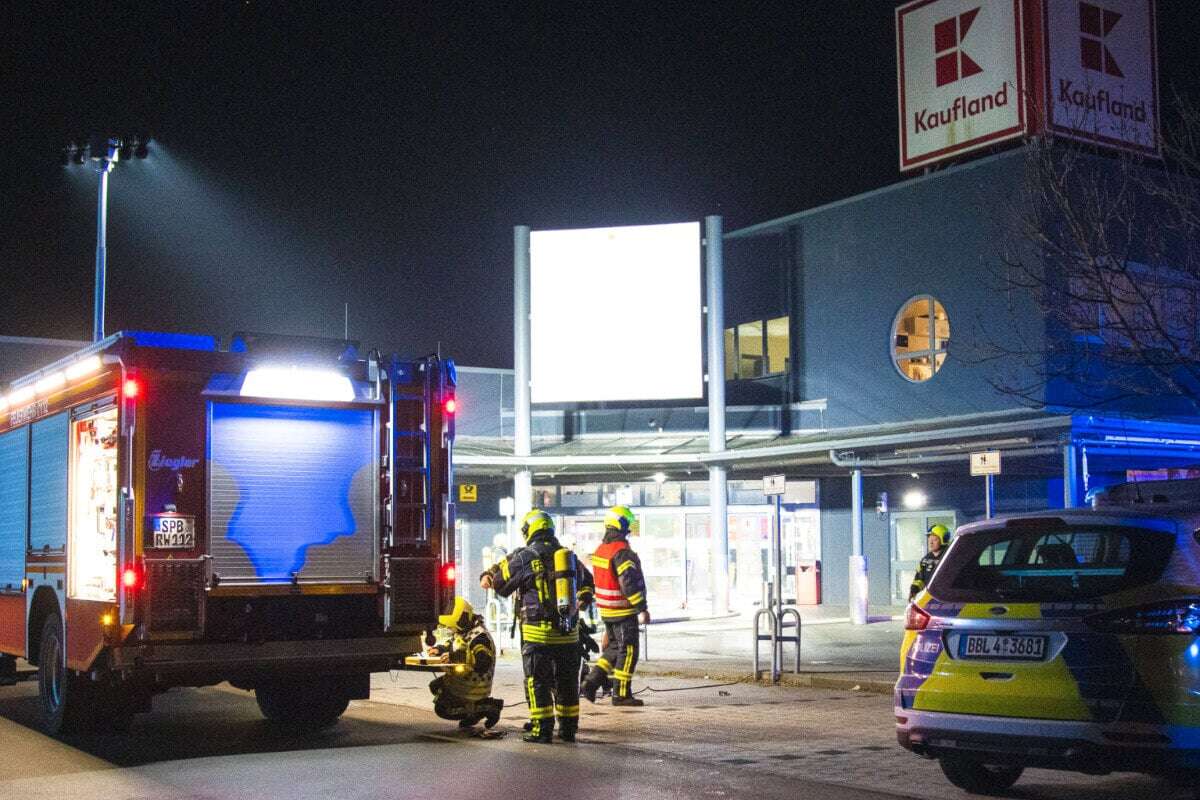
<point x="915" y="618"/>
<point x="1170" y="616"/>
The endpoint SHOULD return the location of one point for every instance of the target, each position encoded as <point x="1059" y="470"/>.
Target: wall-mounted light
<point x="659" y="477"/>
<point x="914" y="499"/>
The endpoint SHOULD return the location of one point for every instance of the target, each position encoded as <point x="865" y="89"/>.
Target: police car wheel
<point x="979" y="778"/>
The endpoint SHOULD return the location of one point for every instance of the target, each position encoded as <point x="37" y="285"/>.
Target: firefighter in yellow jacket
<point x="551" y="586"/>
<point x="621" y="598"/>
<point x="463" y="692"/>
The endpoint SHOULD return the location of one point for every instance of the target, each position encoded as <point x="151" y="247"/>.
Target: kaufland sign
<point x="1101" y="72"/>
<point x="975" y="72"/>
<point x="961" y="77"/>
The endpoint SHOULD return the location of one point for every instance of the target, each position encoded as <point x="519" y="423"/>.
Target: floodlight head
<point x="105" y="149"/>
<point x="141" y="146"/>
<point x="77" y="153"/>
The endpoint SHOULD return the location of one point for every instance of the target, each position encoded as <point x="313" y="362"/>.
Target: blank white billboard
<point x="615" y="314"/>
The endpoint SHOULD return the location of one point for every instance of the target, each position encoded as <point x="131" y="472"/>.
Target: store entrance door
<point x="909" y="532"/>
<point x="699" y="562"/>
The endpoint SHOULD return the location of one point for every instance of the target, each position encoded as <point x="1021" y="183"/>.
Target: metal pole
<point x="858" y="561"/>
<point x="103" y="167"/>
<point x="777" y="550"/>
<point x="522" y="406"/>
<point x="1071" y="498"/>
<point x="989" y="496"/>
<point x="718" y="507"/>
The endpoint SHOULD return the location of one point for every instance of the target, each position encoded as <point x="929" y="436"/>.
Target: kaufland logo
<point x="1096" y="26"/>
<point x="952" y="62"/>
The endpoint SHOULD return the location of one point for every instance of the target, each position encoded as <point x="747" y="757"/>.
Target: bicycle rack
<point x="777" y="640"/>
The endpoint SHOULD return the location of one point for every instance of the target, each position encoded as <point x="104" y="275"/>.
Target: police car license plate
<point x="992" y="646"/>
<point x="173" y="533"/>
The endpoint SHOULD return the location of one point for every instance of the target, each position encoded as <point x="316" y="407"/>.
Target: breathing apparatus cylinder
<point x="564" y="587"/>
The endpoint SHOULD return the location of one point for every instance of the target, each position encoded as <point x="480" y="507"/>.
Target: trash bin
<point x="808" y="583"/>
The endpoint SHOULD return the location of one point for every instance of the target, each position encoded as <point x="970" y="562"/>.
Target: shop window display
<point x="93" y="555"/>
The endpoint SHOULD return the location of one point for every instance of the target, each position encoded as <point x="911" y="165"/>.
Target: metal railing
<point x="777" y="639"/>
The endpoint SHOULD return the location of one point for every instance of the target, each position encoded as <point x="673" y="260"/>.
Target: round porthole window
<point x="920" y="338"/>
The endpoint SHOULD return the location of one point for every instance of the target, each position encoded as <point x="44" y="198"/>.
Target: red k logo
<point x="952" y="63"/>
<point x="1095" y="24"/>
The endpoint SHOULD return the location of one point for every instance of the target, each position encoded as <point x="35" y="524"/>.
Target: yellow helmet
<point x="942" y="532"/>
<point x="459" y="616"/>
<point x="622" y="519"/>
<point x="535" y="522"/>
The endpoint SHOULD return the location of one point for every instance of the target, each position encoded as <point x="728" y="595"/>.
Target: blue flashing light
<point x="451" y="372"/>
<point x="173" y="341"/>
<point x="1194" y="651"/>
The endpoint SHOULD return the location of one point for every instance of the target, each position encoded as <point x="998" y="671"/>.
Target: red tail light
<point x="451" y="405"/>
<point x="448" y="573"/>
<point x="915" y="619"/>
<point x="130" y="389"/>
<point x="131" y="578"/>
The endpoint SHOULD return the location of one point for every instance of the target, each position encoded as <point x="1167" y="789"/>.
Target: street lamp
<point x="105" y="152"/>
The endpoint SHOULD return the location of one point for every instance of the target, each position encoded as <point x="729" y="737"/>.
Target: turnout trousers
<point x="620" y="655"/>
<point x="552" y="686"/>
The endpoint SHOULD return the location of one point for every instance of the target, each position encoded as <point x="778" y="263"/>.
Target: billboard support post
<point x="718" y="497"/>
<point x="522" y="408"/>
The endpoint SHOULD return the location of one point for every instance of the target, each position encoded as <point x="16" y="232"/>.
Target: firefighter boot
<point x="591" y="684"/>
<point x="567" y="729"/>
<point x="491" y="715"/>
<point x="470" y="720"/>
<point x="627" y="701"/>
<point x="540" y="734"/>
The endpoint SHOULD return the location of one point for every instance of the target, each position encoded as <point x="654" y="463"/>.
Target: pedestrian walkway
<point x="834" y="652"/>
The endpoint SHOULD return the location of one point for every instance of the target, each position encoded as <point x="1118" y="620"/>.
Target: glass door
<point x="699" y="562"/>
<point x="910" y="530"/>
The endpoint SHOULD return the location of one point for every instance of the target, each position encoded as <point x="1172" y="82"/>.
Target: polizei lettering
<point x="962" y="108"/>
<point x="1100" y="102"/>
<point x="159" y="461"/>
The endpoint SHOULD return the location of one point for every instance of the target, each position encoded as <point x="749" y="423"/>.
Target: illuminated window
<point x="757" y="349"/>
<point x="920" y="338"/>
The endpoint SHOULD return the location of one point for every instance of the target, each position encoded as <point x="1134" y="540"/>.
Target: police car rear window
<point x="1051" y="563"/>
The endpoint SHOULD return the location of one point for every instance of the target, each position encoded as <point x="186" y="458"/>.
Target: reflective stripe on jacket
<point x="620" y="585"/>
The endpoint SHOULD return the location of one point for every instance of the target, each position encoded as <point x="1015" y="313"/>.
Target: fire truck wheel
<point x="64" y="695"/>
<point x="307" y="704"/>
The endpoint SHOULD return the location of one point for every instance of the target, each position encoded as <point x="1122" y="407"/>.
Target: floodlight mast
<point x="105" y="156"/>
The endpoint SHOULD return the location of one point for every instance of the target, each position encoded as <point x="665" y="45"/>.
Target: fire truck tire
<point x="307" y="704"/>
<point x="66" y="697"/>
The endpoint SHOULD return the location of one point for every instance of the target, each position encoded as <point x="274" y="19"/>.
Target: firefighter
<point x="552" y="586"/>
<point x="621" y="598"/>
<point x="463" y="692"/>
<point x="938" y="539"/>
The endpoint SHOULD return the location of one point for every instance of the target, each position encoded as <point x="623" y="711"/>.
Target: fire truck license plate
<point x="173" y="533"/>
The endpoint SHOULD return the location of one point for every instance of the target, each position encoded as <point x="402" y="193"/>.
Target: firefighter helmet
<point x="535" y="522"/>
<point x="621" y="518"/>
<point x="459" y="616"/>
<point x="942" y="532"/>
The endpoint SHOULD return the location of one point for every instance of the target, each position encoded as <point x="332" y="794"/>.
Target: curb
<point x="848" y="680"/>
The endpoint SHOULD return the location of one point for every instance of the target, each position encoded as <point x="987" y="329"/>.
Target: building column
<point x="718" y="507"/>
<point x="522" y="407"/>
<point x="858" y="582"/>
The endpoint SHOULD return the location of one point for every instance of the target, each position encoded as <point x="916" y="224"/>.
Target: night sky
<point x="308" y="155"/>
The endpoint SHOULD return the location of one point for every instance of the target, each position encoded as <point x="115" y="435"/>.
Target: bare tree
<point x="1102" y="251"/>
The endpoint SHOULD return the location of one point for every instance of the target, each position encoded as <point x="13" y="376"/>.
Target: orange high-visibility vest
<point x="611" y="601"/>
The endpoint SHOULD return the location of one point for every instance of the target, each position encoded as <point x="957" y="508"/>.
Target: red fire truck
<point x="275" y="513"/>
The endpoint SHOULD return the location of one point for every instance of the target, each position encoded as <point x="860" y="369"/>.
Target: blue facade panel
<point x="48" y="483"/>
<point x="14" y="506"/>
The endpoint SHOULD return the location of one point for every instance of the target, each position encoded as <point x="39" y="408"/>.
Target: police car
<point x="1067" y="639"/>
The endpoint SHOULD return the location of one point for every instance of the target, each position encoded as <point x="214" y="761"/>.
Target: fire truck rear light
<point x="130" y="578"/>
<point x="130" y="389"/>
<point x="451" y="405"/>
<point x="448" y="573"/>
<point x="106" y="620"/>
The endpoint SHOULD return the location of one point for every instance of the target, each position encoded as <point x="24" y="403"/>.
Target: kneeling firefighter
<point x="621" y="598"/>
<point x="463" y="692"/>
<point x="552" y="586"/>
